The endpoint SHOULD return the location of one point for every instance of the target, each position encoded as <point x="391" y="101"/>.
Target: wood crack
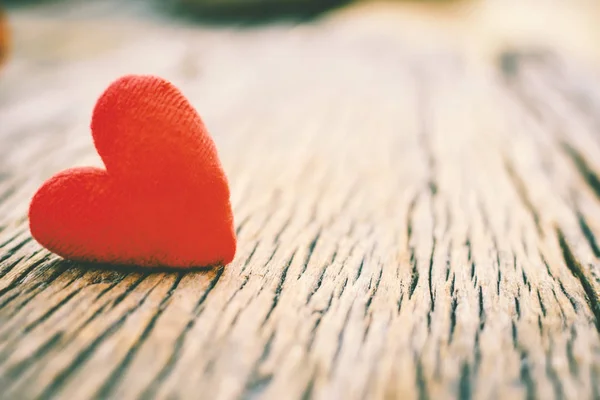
<point x="167" y="369"/>
<point x="578" y="272"/>
<point x="119" y="372"/>
<point x="278" y="289"/>
<point x="59" y="381"/>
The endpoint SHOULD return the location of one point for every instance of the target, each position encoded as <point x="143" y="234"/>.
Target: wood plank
<point x="417" y="216"/>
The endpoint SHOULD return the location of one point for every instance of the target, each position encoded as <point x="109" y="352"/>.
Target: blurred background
<point x="245" y="61"/>
<point x="487" y="26"/>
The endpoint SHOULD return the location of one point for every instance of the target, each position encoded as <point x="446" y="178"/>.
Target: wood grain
<point x="416" y="218"/>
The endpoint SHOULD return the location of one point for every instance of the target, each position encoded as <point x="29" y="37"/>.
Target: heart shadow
<point x="91" y="274"/>
<point x="87" y="274"/>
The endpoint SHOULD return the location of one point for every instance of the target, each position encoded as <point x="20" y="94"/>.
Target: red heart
<point x="163" y="199"/>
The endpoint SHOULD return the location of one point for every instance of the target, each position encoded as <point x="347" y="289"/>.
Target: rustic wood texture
<point x="416" y="195"/>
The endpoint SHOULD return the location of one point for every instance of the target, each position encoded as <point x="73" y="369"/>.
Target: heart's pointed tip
<point x="230" y="255"/>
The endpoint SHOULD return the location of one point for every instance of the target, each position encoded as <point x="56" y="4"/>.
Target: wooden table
<point x="416" y="192"/>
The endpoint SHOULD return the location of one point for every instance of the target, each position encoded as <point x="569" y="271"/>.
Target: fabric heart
<point x="163" y="199"/>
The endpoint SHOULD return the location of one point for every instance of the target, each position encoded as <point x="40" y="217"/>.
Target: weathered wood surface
<point x="418" y="215"/>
